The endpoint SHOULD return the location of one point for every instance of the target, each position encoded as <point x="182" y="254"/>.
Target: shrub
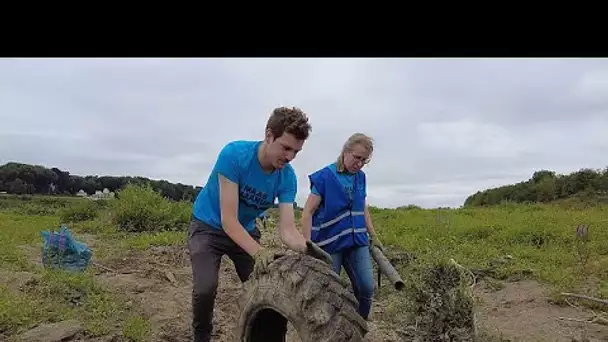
<point x="442" y="304"/>
<point x="33" y="209"/>
<point x="82" y="211"/>
<point x="54" y="202"/>
<point x="139" y="208"/>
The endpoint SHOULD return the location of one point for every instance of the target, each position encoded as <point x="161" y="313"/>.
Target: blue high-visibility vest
<point x="339" y="221"/>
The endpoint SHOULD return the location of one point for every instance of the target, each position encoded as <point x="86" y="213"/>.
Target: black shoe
<point x="202" y="337"/>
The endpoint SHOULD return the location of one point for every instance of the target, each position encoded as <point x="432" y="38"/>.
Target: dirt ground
<point x="520" y="311"/>
<point x="158" y="281"/>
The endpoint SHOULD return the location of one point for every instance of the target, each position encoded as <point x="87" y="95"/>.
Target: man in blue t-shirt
<point x="246" y="179"/>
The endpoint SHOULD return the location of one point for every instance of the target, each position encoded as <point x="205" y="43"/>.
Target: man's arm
<point x="229" y="196"/>
<point x="312" y="203"/>
<point x="287" y="225"/>
<point x="287" y="229"/>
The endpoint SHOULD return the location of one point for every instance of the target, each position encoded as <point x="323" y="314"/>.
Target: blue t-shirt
<point x="346" y="178"/>
<point x="238" y="162"/>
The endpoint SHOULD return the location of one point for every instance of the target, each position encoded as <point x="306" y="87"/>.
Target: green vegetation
<point x="54" y="295"/>
<point x="585" y="186"/>
<point x="50" y="295"/>
<point x="18" y="178"/>
<point x="136" y="328"/>
<point x="141" y="209"/>
<point x="441" y="303"/>
<point x="540" y="238"/>
<point x="541" y="241"/>
<point x="19" y="230"/>
<point x="84" y="211"/>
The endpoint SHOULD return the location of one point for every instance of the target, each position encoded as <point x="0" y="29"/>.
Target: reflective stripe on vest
<point x="337" y="219"/>
<point x="342" y="233"/>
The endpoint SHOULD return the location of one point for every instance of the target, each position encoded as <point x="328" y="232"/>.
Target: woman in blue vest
<point x="336" y="217"/>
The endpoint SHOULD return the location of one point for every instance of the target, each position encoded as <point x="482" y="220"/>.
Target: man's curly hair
<point x="289" y="120"/>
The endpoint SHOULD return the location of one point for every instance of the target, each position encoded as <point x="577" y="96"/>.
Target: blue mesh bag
<point x="61" y="250"/>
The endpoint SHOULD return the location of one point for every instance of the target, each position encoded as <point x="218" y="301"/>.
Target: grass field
<point x="540" y="239"/>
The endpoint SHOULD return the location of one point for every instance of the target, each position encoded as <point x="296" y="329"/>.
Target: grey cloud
<point x="443" y="128"/>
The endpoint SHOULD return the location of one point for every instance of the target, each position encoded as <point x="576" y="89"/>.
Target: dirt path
<point x="519" y="312"/>
<point x="158" y="283"/>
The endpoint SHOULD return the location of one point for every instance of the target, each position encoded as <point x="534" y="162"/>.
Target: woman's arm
<point x="375" y="241"/>
<point x="368" y="220"/>
<point x="312" y="203"/>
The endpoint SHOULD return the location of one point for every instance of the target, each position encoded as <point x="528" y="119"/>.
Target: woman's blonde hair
<point x="355" y="139"/>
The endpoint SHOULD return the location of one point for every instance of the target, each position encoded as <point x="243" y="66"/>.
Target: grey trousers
<point x="207" y="246"/>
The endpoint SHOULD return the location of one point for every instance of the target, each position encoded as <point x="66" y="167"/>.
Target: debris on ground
<point x="442" y="305"/>
<point x="61" y="250"/>
<point x="54" y="332"/>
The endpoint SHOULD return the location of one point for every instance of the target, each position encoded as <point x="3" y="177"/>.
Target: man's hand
<point x="262" y="259"/>
<point x="316" y="252"/>
<point x="288" y="232"/>
<point x="375" y="241"/>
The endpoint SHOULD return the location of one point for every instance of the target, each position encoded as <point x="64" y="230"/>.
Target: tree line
<point x="547" y="186"/>
<point x="18" y="178"/>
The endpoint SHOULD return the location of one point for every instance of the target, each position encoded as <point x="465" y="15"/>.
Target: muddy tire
<point x="304" y="291"/>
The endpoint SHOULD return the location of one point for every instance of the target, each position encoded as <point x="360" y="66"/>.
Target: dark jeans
<point x="207" y="246"/>
<point x="358" y="264"/>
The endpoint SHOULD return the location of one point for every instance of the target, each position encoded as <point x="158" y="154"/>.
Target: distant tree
<point x="546" y="186"/>
<point x="541" y="175"/>
<point x="17" y="187"/>
<point x="35" y="179"/>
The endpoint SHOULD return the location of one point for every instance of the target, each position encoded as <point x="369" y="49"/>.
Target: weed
<point x="136" y="328"/>
<point x="34" y="209"/>
<point x="146" y="240"/>
<point x="54" y="295"/>
<point x="58" y="295"/>
<point x="582" y="247"/>
<point x="139" y="209"/>
<point x="17" y="311"/>
<point x="442" y="304"/>
<point x="83" y="211"/>
<point x="35" y="205"/>
<point x="538" y="237"/>
<point x="493" y="285"/>
<point x="100" y="227"/>
<point x="17" y="231"/>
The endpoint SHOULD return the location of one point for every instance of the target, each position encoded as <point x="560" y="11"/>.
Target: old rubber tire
<point x="304" y="291"/>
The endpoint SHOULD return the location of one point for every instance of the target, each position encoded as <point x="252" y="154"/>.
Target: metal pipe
<point x="385" y="267"/>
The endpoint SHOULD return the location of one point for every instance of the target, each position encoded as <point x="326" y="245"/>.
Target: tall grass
<point x="139" y="209"/>
<point x="540" y="238"/>
<point x="51" y="295"/>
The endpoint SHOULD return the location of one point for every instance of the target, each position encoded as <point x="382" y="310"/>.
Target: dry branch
<point x="572" y="305"/>
<point x="161" y="263"/>
<point x="171" y="278"/>
<point x="574" y="319"/>
<point x="597" y="300"/>
<point x="110" y="269"/>
<point x="471" y="274"/>
<point x="593" y="320"/>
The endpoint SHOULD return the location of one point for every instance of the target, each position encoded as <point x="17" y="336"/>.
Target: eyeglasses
<point x="360" y="159"/>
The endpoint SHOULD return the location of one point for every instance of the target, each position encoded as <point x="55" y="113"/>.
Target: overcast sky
<point x="444" y="128"/>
